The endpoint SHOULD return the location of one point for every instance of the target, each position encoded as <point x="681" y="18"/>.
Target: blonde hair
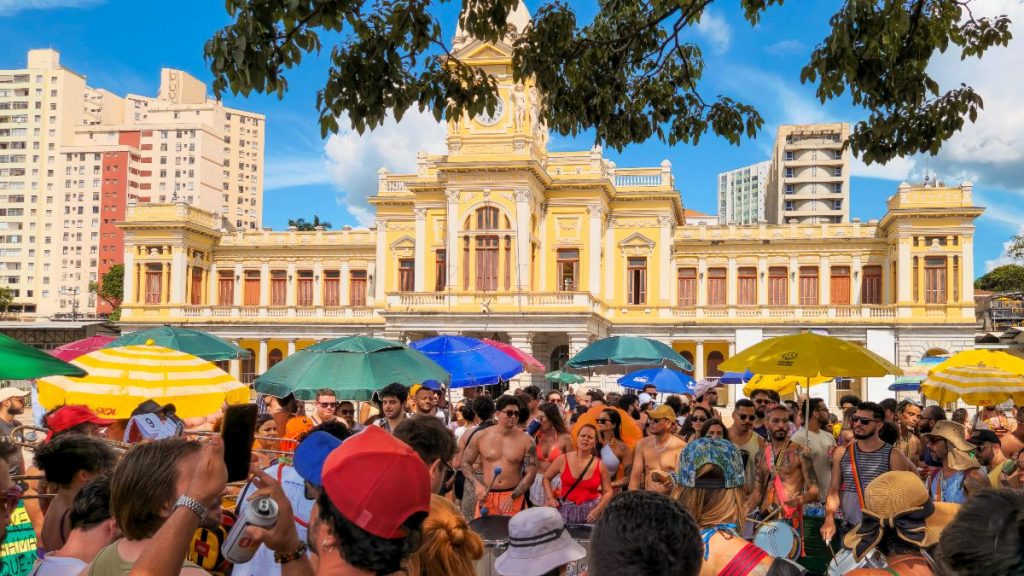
<point x="712" y="506"/>
<point x="449" y="547"/>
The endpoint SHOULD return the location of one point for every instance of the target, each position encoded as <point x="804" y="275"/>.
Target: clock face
<point x="492" y="119"/>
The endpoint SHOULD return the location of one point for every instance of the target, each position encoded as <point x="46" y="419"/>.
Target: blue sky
<point x="121" y="45"/>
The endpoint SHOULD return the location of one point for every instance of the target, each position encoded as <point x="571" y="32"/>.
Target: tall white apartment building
<point x="809" y="181"/>
<point x="742" y="194"/>
<point x="72" y="156"/>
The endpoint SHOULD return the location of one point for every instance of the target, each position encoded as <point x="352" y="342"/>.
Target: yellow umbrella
<point x="810" y="355"/>
<point x="978" y="385"/>
<point x="119" y="379"/>
<point x="991" y="358"/>
<point x="780" y="383"/>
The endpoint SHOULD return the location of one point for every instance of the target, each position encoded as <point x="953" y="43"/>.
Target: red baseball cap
<point x="70" y="416"/>
<point x="377" y="482"/>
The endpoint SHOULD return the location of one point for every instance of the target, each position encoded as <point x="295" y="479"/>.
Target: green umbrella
<point x="629" y="351"/>
<point x="194" y="342"/>
<point x="21" y="362"/>
<point x="353" y="367"/>
<point x="564" y="377"/>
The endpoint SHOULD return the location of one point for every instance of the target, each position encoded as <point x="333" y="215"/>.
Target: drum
<point x="494" y="531"/>
<point x="581" y="534"/>
<point x="845" y="562"/>
<point x="817" y="553"/>
<point x="778" y="539"/>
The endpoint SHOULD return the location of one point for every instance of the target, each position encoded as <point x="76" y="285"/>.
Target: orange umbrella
<point x="630" y="430"/>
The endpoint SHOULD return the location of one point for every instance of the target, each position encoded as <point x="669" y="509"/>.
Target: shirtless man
<point x="509" y="460"/>
<point x="741" y="433"/>
<point x="1013" y="442"/>
<point x="659" y="451"/>
<point x="785" y="474"/>
<point x="994" y="419"/>
<point x="909" y="444"/>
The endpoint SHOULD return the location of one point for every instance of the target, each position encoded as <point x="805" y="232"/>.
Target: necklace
<point x="662" y="447"/>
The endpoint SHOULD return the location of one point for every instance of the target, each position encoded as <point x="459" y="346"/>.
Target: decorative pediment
<point x="484" y="51"/>
<point x="403" y="247"/>
<point x="637" y="245"/>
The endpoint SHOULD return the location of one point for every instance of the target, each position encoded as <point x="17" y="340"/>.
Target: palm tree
<point x="303" y="226"/>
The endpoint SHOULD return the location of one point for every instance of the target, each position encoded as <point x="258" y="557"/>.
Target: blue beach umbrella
<point x="664" y="380"/>
<point x="470" y="361"/>
<point x="906" y="384"/>
<point x="736" y="377"/>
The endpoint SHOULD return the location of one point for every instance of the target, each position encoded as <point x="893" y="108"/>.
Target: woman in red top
<point x="586" y="487"/>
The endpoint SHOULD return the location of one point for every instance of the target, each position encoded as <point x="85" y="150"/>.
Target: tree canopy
<point x="302" y="225"/>
<point x="1008" y="278"/>
<point x="111" y="286"/>
<point x="392" y="56"/>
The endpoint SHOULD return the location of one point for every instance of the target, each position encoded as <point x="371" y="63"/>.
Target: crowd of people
<point x="529" y="483"/>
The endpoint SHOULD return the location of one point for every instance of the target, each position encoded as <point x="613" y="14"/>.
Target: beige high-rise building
<point x="809" y="179"/>
<point x="73" y="156"/>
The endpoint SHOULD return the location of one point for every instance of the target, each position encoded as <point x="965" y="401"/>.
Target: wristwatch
<point x="193" y="505"/>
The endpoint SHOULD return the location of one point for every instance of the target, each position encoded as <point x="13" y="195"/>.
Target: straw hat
<point x="538" y="543"/>
<point x="899" y="500"/>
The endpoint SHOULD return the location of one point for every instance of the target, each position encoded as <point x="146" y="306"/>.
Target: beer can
<point x="239" y="548"/>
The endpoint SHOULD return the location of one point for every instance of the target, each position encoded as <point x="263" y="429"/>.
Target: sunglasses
<point x="862" y="420"/>
<point x="511" y="413"/>
<point x="555" y="400"/>
<point x="346" y="412"/>
<point x="699" y="419"/>
<point x="762" y="401"/>
<point x="602" y="420"/>
<point x="747" y="417"/>
<point x="329" y="404"/>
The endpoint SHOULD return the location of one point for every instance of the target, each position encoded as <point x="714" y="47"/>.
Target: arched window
<point x="247" y="372"/>
<point x="274" y="357"/>
<point x="714" y="359"/>
<point x="559" y="356"/>
<point x="689" y="357"/>
<point x="487" y="218"/>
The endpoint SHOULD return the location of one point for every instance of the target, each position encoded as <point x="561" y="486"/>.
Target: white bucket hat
<point x="538" y="543"/>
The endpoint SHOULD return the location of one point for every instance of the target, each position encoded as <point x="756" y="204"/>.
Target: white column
<point x="594" y="250"/>
<point x="343" y="298"/>
<point x="178" y="278"/>
<point x="702" y="281"/>
<point x="611" y="261"/>
<point x="524" y="342"/>
<point x="212" y="284"/>
<point x="664" y="257"/>
<point x="235" y="366"/>
<point x="261" y="357"/>
<point x="856" y="271"/>
<point x="905" y="270"/>
<point x="238" y="284"/>
<point x="966" y="270"/>
<point x="542" y="257"/>
<point x="292" y="280"/>
<point x="128" y="288"/>
<point x="794" y="282"/>
<point x="454" y="250"/>
<point x="524" y="199"/>
<point x="824" y="281"/>
<point x="888" y="277"/>
<point x="762" y="281"/>
<point x="698" y="360"/>
<point x="265" y="284"/>
<point x="318" y="283"/>
<point x="731" y="281"/>
<point x="577" y="341"/>
<point x="421" y="249"/>
<point x="380" y="266"/>
<point x="291" y="348"/>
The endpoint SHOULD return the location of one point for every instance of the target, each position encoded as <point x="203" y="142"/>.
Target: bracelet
<point x="286" y="557"/>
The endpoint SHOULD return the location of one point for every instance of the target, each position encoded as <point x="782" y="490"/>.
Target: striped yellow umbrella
<point x="119" y="379"/>
<point x="781" y="383"/>
<point x="991" y="358"/>
<point x="978" y="385"/>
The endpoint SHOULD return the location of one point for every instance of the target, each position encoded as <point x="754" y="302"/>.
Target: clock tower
<point x="514" y="129"/>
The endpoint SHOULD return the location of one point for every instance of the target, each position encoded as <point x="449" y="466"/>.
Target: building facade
<point x="809" y="178"/>
<point x="71" y="156"/>
<point x="548" y="251"/>
<point x="742" y="194"/>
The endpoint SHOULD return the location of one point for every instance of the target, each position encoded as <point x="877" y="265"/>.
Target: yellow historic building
<point x="501" y="237"/>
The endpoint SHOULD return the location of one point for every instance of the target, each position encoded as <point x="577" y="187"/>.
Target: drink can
<point x="239" y="548"/>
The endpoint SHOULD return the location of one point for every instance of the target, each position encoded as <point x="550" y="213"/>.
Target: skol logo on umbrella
<point x="787" y="359"/>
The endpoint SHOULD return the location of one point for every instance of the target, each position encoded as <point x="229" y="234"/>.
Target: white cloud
<point x="713" y="28"/>
<point x="353" y="159"/>
<point x="785" y="47"/>
<point x="899" y="169"/>
<point x="287" y="171"/>
<point x="12" y="7"/>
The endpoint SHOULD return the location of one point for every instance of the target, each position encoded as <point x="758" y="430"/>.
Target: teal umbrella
<point x="627" y="351"/>
<point x="194" y="342"/>
<point x="22" y="362"/>
<point x="353" y="367"/>
<point x="561" y="377"/>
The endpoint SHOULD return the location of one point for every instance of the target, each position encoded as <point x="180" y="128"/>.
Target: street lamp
<point x="73" y="293"/>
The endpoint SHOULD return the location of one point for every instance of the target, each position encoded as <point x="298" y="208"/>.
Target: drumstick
<point x="483" y="509"/>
